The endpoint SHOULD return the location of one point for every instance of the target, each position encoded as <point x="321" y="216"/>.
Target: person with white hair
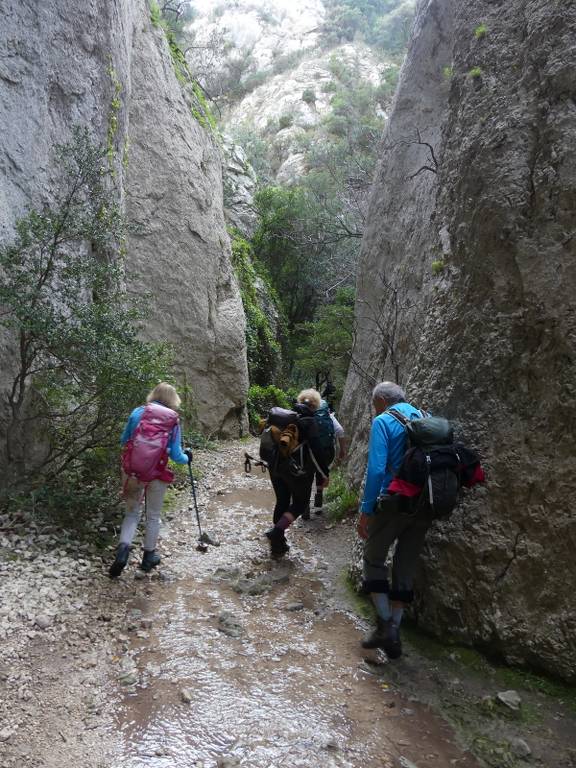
<point x="293" y="484"/>
<point x="382" y="522"/>
<point x="153" y="432"/>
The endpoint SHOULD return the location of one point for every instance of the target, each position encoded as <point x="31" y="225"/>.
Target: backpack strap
<point x="404" y="420"/>
<point x="315" y="462"/>
<point x="398" y="416"/>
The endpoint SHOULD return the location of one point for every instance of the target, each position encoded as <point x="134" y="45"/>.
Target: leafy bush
<point x="438" y="266"/>
<point x="309" y="96"/>
<point x="261" y="399"/>
<point x="341" y="499"/>
<point x="81" y="366"/>
<point x="327" y="341"/>
<point x="475" y="73"/>
<point x="385" y="23"/>
<point x="285" y="121"/>
<point x="480" y="31"/>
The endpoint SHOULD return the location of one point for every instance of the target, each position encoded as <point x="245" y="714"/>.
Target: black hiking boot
<point x="150" y="559"/>
<point x="386" y="636"/>
<point x="278" y="544"/>
<point x="306" y="513"/>
<point x="122" y="555"/>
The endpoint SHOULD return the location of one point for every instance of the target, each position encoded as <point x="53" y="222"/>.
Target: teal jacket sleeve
<point x="377" y="463"/>
<point x="175" y="447"/>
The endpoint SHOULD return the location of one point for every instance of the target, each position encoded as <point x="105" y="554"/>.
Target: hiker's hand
<point x="363" y="526"/>
<point x="188" y="452"/>
<point x="325" y="483"/>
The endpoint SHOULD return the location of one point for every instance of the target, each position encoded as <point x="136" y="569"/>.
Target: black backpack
<point x="431" y="463"/>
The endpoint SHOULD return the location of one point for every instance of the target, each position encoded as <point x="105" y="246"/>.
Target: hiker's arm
<point x="175" y="447"/>
<point x="377" y="462"/>
<point x="342" y="451"/>
<point x="131" y="425"/>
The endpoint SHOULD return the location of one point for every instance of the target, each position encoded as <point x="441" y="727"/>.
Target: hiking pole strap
<point x="316" y="463"/>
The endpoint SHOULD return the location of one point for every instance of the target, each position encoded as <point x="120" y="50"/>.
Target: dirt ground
<point x="230" y="659"/>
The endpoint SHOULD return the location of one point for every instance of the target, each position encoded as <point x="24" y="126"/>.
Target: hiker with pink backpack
<point x="150" y="438"/>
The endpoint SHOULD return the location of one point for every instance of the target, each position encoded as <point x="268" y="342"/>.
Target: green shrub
<point x="448" y="72"/>
<point x="329" y="86"/>
<point x="82" y="365"/>
<point x="309" y="96"/>
<point x="261" y="399"/>
<point x="480" y="31"/>
<point x="341" y="499"/>
<point x="285" y="121"/>
<point x="438" y="266"/>
<point x="475" y="73"/>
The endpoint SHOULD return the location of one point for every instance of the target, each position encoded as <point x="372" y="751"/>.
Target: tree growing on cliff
<point x="79" y="364"/>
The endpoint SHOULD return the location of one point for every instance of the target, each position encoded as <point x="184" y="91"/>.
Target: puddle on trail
<point x="292" y="690"/>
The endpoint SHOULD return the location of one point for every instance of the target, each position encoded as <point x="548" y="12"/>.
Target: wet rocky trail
<point x="230" y="659"/>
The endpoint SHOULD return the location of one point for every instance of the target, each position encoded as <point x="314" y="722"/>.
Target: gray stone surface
<point x="56" y="71"/>
<point x="182" y="252"/>
<point x="489" y="339"/>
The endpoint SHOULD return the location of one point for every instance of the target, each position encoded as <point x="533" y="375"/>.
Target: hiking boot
<point x="122" y="555"/>
<point x="278" y="544"/>
<point x="150" y="560"/>
<point x="387" y="637"/>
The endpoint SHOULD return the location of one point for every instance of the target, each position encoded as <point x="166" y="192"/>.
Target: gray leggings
<point x="155" y="492"/>
<point x="389" y="524"/>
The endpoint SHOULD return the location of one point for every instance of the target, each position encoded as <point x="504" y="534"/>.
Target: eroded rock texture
<point x="470" y="254"/>
<point x="61" y="64"/>
<point x="181" y="253"/>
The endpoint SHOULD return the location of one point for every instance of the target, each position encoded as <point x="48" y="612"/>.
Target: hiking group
<point x="414" y="475"/>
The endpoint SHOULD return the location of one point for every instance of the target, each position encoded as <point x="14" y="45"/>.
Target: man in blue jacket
<point x="382" y="521"/>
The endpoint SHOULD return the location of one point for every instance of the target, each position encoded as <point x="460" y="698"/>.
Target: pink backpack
<point x="145" y="455"/>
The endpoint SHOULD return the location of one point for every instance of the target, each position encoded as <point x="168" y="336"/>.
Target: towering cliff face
<point x="474" y="262"/>
<point x="181" y="254"/>
<point x="64" y="64"/>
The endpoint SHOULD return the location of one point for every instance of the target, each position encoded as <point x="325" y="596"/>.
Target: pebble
<point x="520" y="748"/>
<point x="186" y="695"/>
<point x="510" y="699"/>
<point x="5" y="734"/>
<point x="229" y="625"/>
<point x="251" y="587"/>
<point x="295" y="607"/>
<point x="43" y="621"/>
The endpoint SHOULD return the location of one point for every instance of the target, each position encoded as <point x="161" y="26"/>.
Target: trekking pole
<point x="201" y="546"/>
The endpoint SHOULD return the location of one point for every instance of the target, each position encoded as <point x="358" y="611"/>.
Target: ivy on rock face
<point x="263" y="348"/>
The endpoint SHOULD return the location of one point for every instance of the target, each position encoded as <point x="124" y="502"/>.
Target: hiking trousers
<point x="292" y="495"/>
<point x="154" y="496"/>
<point x="387" y="525"/>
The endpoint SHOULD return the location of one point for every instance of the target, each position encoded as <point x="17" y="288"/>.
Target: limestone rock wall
<point x="181" y="252"/>
<point x="61" y="63"/>
<point x="484" y="250"/>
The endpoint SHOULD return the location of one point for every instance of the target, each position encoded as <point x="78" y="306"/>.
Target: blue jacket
<point x="174" y="444"/>
<point x="385" y="453"/>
